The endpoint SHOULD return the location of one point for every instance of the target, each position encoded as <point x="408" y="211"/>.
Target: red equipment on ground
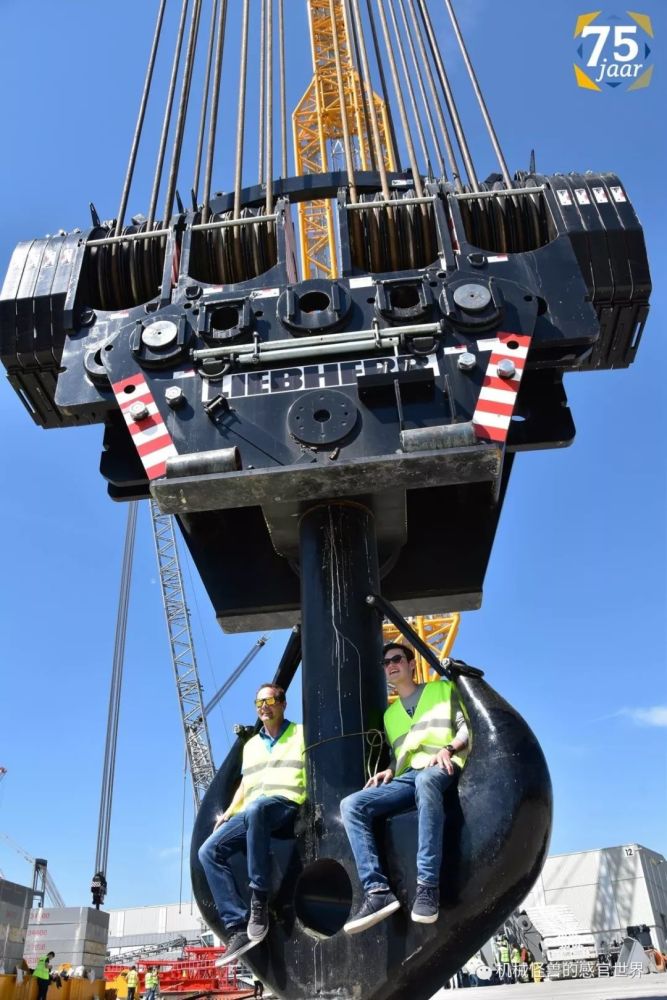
<point x="195" y="972"/>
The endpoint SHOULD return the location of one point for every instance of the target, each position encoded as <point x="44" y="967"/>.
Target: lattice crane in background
<point x="41" y="876"/>
<point x="322" y="124"/>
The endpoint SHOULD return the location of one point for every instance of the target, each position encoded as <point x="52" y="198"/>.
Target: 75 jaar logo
<point x="614" y="51"/>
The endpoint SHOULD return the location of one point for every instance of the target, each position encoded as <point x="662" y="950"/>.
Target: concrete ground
<point x="615" y="988"/>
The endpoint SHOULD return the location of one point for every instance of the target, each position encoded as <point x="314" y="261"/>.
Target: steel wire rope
<point x="449" y="96"/>
<point x="166" y="120"/>
<point x="240" y="126"/>
<point x="205" y="99"/>
<point x="213" y="117"/>
<point x="269" y="110"/>
<point x="411" y="90"/>
<point x="138" y="129"/>
<point x="394" y="157"/>
<point x="422" y="89"/>
<point x="479" y="95"/>
<point x="367" y="84"/>
<point x="113" y="715"/>
<point x="262" y="91"/>
<point x="283" y="96"/>
<point x="426" y="63"/>
<point x="347" y="144"/>
<point x="363" y="122"/>
<point x="182" y="852"/>
<point x="182" y="112"/>
<point x="407" y="135"/>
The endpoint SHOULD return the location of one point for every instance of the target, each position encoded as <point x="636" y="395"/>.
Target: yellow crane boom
<point x="319" y="122"/>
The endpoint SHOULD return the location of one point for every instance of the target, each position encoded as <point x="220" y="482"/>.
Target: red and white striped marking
<point x="497" y="397"/>
<point x="150" y="435"/>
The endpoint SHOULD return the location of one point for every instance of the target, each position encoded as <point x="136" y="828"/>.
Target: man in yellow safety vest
<point x="132" y="982"/>
<point x="272" y="788"/>
<point x="42" y="973"/>
<point x="427" y="733"/>
<point x="152" y="984"/>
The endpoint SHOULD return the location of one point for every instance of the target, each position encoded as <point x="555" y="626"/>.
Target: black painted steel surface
<point x="497" y="828"/>
<point x="496" y="839"/>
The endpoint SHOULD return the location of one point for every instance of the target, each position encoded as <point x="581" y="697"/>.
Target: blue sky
<point x="572" y="629"/>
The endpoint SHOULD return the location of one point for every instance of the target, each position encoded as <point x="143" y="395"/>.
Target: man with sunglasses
<point x="272" y="788"/>
<point x="428" y="735"/>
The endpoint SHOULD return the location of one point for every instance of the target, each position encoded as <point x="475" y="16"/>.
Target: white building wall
<point x="152" y="924"/>
<point x="608" y="890"/>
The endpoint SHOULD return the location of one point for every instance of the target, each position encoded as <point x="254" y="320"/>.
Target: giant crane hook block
<point x="238" y="395"/>
<point x="322" y="440"/>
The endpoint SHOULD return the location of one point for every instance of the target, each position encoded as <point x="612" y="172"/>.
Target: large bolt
<point x="174" y="396"/>
<point x="506" y="368"/>
<point x="138" y="411"/>
<point x="467" y="361"/>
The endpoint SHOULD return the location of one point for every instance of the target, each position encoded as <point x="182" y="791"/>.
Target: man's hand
<point x="381" y="778"/>
<point x="219" y="820"/>
<point x="442" y="759"/>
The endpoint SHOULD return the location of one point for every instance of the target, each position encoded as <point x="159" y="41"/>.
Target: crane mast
<point x="320" y="122"/>
<point x="184" y="660"/>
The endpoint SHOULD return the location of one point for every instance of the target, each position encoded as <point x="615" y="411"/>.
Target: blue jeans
<point x="423" y="790"/>
<point x="252" y="829"/>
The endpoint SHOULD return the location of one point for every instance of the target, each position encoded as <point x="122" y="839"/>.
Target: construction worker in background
<point x="132" y="982"/>
<point x="42" y="973"/>
<point x="427" y="733"/>
<point x="515" y="960"/>
<point x="152" y="984"/>
<point x="272" y="788"/>
<point x="505" y="971"/>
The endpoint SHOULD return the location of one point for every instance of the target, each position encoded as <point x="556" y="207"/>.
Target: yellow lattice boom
<point x="437" y="631"/>
<point x="318" y="131"/>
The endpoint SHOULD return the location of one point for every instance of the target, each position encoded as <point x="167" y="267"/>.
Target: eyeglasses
<point x="393" y="659"/>
<point x="266" y="701"/>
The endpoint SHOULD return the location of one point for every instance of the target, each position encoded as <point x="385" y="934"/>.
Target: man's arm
<point x="443" y="758"/>
<point x="239" y="795"/>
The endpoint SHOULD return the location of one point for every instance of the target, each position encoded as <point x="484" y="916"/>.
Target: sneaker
<point x="258" y="925"/>
<point x="237" y="945"/>
<point x="375" y="907"/>
<point x="426" y="904"/>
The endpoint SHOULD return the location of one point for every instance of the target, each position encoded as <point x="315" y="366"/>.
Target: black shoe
<point x="375" y="907"/>
<point x="237" y="945"/>
<point x="258" y="925"/>
<point x="426" y="904"/>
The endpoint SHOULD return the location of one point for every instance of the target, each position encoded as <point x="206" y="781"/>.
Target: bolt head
<point x="506" y="368"/>
<point x="138" y="411"/>
<point x="174" y="396"/>
<point x="467" y="361"/>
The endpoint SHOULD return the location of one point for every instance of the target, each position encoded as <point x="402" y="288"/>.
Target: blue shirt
<point x="270" y="740"/>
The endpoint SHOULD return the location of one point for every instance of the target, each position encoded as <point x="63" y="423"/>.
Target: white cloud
<point x="654" y="716"/>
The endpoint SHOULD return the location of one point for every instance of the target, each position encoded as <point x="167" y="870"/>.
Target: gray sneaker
<point x="426" y="904"/>
<point x="237" y="945"/>
<point x="258" y="925"/>
<point x="375" y="907"/>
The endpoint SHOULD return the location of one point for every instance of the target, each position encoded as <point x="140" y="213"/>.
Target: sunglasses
<point x="266" y="701"/>
<point x="393" y="659"/>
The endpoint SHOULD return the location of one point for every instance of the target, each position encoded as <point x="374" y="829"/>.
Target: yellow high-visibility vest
<point x="276" y="771"/>
<point x="133" y="978"/>
<point x="41" y="970"/>
<point x="415" y="740"/>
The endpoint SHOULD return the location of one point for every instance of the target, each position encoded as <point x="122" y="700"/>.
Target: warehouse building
<point x="140" y="926"/>
<point x="607" y="891"/>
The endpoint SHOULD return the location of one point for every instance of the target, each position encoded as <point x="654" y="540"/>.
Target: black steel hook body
<point x="496" y="838"/>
